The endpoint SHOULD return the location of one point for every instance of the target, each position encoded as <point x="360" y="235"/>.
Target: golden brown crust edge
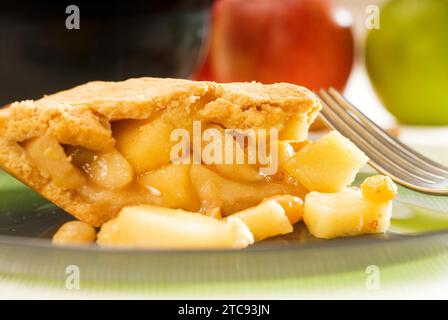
<point x="81" y="116"/>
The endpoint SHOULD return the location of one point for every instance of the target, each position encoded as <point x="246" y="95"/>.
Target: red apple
<point x="308" y="42"/>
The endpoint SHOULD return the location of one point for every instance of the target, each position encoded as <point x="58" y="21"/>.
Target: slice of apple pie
<point x="144" y="153"/>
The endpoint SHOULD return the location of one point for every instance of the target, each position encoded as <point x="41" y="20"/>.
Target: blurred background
<point x="388" y="56"/>
<point x="116" y="40"/>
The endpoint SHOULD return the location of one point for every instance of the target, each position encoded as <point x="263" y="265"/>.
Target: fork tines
<point x="387" y="154"/>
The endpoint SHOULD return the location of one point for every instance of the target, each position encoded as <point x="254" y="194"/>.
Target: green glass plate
<point x="27" y="222"/>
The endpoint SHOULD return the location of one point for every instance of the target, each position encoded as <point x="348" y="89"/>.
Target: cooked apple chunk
<point x="227" y="157"/>
<point x="379" y="188"/>
<point x="239" y="172"/>
<point x="292" y="205"/>
<point x="328" y="164"/>
<point x="173" y="183"/>
<point x="164" y="228"/>
<point x="145" y="143"/>
<point x="378" y="191"/>
<point x="74" y="233"/>
<point x="265" y="220"/>
<point x="242" y="171"/>
<point x="295" y="128"/>
<point x="331" y="215"/>
<point x="111" y="170"/>
<point x="217" y="192"/>
<point x="107" y="169"/>
<point x="377" y="216"/>
<point x="345" y="213"/>
<point x="46" y="153"/>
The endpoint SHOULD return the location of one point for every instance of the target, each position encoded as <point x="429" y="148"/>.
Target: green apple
<point x="407" y="60"/>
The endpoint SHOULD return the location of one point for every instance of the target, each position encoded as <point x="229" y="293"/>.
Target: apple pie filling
<point x="139" y="170"/>
<point x="139" y="174"/>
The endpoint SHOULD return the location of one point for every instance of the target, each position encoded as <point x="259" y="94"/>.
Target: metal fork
<point x="387" y="154"/>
